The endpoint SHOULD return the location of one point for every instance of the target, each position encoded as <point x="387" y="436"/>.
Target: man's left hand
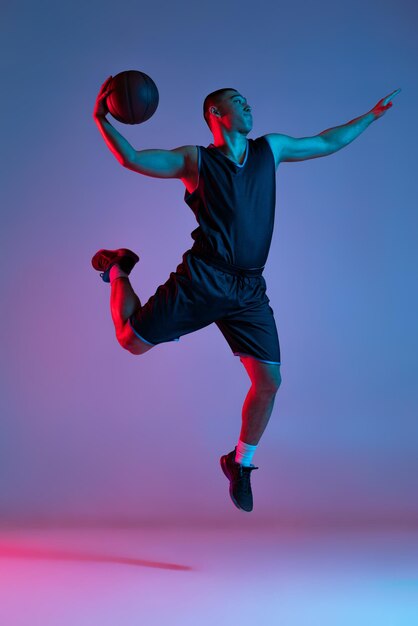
<point x="383" y="105"/>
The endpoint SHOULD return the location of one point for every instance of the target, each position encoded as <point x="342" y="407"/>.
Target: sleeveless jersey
<point x="235" y="204"/>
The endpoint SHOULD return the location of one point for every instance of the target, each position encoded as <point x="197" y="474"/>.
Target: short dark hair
<point x="213" y="99"/>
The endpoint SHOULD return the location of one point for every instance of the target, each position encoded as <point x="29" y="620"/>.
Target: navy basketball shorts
<point x="199" y="293"/>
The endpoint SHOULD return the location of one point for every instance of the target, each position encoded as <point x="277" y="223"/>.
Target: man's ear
<point x="213" y="110"/>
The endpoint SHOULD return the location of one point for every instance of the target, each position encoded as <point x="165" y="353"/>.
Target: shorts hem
<point x="257" y="358"/>
<point x="139" y="336"/>
<point x="145" y="340"/>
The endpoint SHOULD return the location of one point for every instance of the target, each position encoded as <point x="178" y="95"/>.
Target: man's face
<point x="236" y="112"/>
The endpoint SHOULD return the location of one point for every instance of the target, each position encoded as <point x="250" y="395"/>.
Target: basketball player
<point x="230" y="186"/>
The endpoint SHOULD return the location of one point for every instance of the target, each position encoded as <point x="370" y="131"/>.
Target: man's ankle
<point x="116" y="272"/>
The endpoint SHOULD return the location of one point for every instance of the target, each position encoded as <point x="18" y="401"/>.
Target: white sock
<point x="116" y="272"/>
<point x="244" y="453"/>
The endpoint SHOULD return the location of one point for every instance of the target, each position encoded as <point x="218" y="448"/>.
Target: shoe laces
<point x="245" y="475"/>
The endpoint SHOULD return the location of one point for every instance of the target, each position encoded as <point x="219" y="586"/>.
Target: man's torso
<point x="233" y="201"/>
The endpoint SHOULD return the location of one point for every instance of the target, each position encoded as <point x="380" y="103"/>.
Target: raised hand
<point x="383" y="105"/>
<point x="100" y="107"/>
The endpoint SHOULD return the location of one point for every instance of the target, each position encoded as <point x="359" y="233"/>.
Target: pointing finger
<point x="390" y="96"/>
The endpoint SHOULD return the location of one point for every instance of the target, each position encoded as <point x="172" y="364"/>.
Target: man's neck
<point x="232" y="145"/>
<point x="230" y="139"/>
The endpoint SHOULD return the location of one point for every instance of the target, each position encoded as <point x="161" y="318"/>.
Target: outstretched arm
<point x="331" y="140"/>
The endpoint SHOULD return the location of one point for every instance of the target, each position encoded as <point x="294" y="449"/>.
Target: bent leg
<point x="123" y="303"/>
<point x="258" y="405"/>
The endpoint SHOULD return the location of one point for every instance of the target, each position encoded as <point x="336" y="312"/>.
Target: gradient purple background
<point x="90" y="432"/>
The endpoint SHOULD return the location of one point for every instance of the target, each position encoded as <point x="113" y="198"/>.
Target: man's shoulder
<point x="261" y="141"/>
<point x="190" y="154"/>
<point x="271" y="144"/>
<point x="188" y="150"/>
<point x="263" y="138"/>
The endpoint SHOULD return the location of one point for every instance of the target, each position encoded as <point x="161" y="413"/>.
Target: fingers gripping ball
<point x="133" y="97"/>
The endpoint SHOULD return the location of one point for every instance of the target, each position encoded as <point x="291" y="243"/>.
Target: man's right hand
<point x="100" y="107"/>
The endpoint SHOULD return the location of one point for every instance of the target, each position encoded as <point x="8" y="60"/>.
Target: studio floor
<point x="201" y="576"/>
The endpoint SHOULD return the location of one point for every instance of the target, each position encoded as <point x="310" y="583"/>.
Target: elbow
<point x="119" y="156"/>
<point x="127" y="160"/>
<point x="331" y="146"/>
<point x="124" y="161"/>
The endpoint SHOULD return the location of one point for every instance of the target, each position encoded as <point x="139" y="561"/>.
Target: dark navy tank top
<point x="235" y="204"/>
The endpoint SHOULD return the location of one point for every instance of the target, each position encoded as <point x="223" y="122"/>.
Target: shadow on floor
<point x="18" y="552"/>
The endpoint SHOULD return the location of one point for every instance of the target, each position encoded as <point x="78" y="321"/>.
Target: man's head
<point x="228" y="108"/>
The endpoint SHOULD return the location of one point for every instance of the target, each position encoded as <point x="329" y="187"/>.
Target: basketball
<point x="133" y="97"/>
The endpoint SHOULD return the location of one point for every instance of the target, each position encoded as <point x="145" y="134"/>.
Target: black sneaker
<point x="239" y="477"/>
<point x="104" y="259"/>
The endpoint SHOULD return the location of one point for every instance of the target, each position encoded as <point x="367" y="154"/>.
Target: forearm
<point x="341" y="136"/>
<point x="119" y="146"/>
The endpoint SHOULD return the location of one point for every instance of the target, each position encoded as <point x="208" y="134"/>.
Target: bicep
<point x="159" y="163"/>
<point x="299" y="148"/>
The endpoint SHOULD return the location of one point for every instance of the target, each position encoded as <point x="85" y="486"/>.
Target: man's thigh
<point x="253" y="332"/>
<point x="194" y="296"/>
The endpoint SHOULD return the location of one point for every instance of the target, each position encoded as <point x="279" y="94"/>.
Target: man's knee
<point x="129" y="341"/>
<point x="265" y="377"/>
<point x="269" y="384"/>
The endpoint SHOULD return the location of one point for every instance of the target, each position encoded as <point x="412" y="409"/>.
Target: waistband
<point x="236" y="270"/>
